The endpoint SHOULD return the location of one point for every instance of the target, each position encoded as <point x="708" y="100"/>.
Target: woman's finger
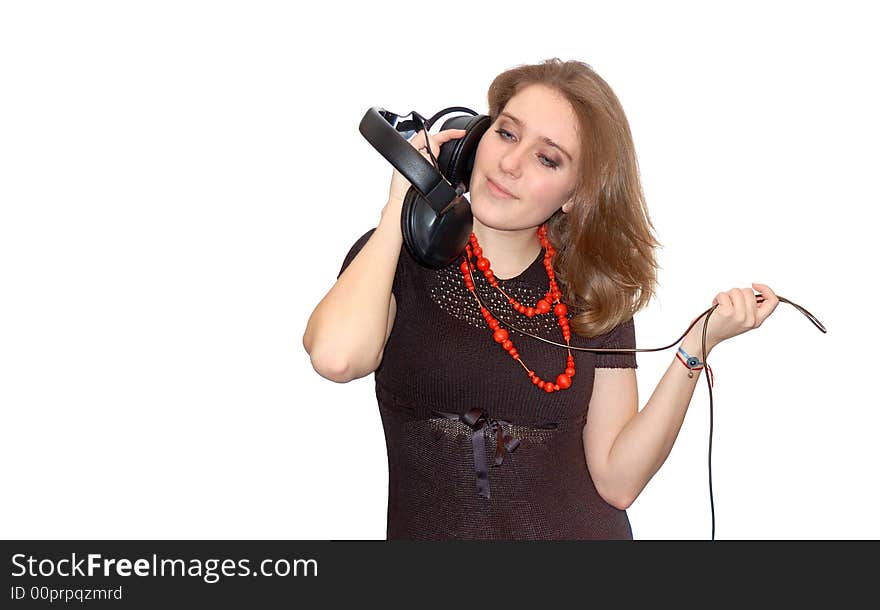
<point x="418" y="140"/>
<point x="444" y="136"/>
<point x="439" y="138"/>
<point x="722" y="299"/>
<point x="449" y="134"/>
<point x="751" y="306"/>
<point x="739" y="303"/>
<point x="769" y="304"/>
<point x="765" y="291"/>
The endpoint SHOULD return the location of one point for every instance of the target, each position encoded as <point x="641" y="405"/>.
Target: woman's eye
<point x="549" y="162"/>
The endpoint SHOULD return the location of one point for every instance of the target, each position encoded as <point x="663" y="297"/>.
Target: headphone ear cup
<point x="457" y="156"/>
<point x="406" y="222"/>
<point x="434" y="241"/>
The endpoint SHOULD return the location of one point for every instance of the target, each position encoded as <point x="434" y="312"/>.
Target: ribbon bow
<point x="477" y="420"/>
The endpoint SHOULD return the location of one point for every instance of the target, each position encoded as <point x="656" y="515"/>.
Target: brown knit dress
<point x="449" y="395"/>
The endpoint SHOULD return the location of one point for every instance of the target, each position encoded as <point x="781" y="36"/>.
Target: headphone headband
<point x="382" y="129"/>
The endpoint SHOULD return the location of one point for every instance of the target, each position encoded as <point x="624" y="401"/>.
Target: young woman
<point x="497" y="435"/>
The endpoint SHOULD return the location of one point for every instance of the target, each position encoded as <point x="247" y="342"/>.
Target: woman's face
<point x="516" y="157"/>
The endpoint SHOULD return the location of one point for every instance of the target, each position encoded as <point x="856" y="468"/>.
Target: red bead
<point x="560" y="309"/>
<point x="493" y="324"/>
<point x="482" y="263"/>
<point x="564" y="381"/>
<point x="507" y="344"/>
<point x="569" y="372"/>
<point x="530" y="312"/>
<point x="542" y="306"/>
<point x="541" y="384"/>
<point x="536" y="380"/>
<point x="500" y="335"/>
<point x="548" y="387"/>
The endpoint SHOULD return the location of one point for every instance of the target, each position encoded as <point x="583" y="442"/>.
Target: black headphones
<point x="436" y="220"/>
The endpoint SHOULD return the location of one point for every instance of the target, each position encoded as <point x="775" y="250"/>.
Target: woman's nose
<point x="510" y="160"/>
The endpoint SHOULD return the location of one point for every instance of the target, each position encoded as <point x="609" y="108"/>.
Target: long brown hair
<point x="605" y="263"/>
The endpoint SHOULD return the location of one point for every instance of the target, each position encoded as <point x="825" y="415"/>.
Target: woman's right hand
<point x="399" y="184"/>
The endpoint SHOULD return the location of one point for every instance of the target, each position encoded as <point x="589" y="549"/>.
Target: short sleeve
<point x="353" y="252"/>
<point x="622" y="336"/>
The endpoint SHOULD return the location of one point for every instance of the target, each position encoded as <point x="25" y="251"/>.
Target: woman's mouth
<point x="498" y="191"/>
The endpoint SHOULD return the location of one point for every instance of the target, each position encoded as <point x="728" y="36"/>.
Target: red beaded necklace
<point x="563" y="380"/>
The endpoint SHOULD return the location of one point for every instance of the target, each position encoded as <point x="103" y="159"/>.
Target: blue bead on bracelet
<point x="692" y="362"/>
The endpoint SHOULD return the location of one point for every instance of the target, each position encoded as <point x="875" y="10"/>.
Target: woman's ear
<point x="566" y="207"/>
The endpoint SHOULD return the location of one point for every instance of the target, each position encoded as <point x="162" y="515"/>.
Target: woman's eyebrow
<point x="544" y="138"/>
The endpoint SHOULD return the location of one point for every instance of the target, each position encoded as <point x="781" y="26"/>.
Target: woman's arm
<point x="346" y="333"/>
<point x="646" y="438"/>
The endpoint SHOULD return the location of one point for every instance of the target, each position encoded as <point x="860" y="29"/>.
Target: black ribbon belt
<point x="477" y="420"/>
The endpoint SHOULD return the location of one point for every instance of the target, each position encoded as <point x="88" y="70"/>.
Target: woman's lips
<point x="498" y="191"/>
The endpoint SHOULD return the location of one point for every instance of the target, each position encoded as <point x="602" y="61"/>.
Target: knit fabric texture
<point x="441" y="358"/>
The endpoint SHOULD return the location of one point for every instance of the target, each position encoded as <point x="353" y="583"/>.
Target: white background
<point x="180" y="182"/>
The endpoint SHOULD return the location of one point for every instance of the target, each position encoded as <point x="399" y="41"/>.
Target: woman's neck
<point x="509" y="252"/>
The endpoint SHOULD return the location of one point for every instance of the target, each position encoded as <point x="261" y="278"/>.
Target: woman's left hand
<point x="738" y="311"/>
